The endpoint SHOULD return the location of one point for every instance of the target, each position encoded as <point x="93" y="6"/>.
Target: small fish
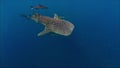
<point x="39" y="7"/>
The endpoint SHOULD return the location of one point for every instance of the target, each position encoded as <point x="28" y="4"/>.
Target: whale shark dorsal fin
<point x="56" y="16"/>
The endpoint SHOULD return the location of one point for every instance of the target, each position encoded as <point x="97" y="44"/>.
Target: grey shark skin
<point x="55" y="25"/>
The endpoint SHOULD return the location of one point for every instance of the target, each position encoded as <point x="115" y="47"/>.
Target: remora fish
<point x="55" y="25"/>
<point x="39" y="7"/>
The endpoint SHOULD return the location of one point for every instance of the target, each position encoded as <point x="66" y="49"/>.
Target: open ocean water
<point x="94" y="43"/>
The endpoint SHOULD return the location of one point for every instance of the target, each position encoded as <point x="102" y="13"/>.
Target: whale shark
<point x="52" y="24"/>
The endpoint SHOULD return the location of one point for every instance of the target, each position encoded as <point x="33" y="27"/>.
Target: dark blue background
<point x="95" y="41"/>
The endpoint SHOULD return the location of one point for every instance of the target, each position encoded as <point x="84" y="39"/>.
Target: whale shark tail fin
<point x="25" y="16"/>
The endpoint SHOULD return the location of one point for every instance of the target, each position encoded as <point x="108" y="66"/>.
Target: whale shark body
<point x="55" y="24"/>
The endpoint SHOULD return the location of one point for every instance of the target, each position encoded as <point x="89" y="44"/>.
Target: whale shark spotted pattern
<point x="55" y="25"/>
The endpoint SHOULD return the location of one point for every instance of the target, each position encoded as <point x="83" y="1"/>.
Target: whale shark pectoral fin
<point x="45" y="31"/>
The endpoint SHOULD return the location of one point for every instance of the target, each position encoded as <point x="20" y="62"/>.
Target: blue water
<point x="95" y="41"/>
